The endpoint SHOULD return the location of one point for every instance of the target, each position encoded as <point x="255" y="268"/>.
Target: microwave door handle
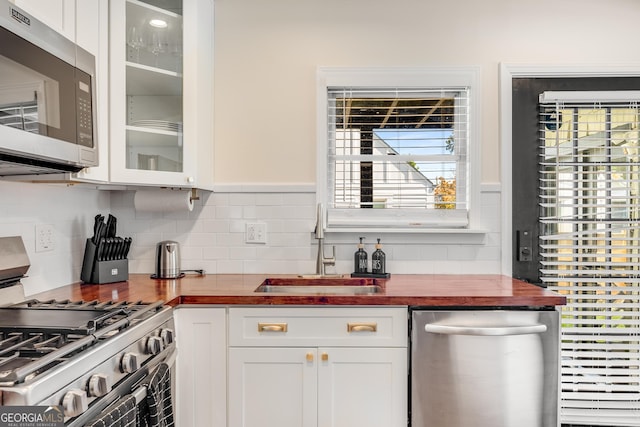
<point x="486" y="331"/>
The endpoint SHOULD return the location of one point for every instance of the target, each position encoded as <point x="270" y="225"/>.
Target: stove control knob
<point x="74" y="402"/>
<point x="168" y="336"/>
<point x="154" y="345"/>
<point x="129" y="363"/>
<point x="99" y="385"/>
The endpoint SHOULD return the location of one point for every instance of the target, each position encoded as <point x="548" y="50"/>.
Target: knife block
<point x="100" y="272"/>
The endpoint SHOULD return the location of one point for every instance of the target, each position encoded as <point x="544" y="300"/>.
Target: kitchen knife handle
<point x="111" y="226"/>
<point x="100" y="250"/>
<point x="109" y="248"/>
<point x="119" y="247"/>
<point x="127" y="246"/>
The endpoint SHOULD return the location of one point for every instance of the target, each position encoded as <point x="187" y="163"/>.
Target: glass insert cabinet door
<point x="154" y="90"/>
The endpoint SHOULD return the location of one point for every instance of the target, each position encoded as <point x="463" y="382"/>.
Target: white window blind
<point x="398" y="157"/>
<point x="589" y="192"/>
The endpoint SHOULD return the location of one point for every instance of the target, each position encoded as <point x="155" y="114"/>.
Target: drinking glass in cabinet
<point x="158" y="40"/>
<point x="135" y="40"/>
<point x="154" y="36"/>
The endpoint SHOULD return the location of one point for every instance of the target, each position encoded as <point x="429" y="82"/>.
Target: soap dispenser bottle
<point x="378" y="260"/>
<point x="360" y="258"/>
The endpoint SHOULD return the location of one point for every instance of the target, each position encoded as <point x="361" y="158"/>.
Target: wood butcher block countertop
<point x="239" y="289"/>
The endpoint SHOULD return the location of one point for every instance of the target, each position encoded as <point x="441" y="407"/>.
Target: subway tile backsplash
<point x="212" y="236"/>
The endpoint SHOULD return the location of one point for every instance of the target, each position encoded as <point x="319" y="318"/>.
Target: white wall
<point x="267" y="53"/>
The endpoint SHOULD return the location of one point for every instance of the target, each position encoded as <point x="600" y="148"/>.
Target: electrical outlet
<point x="45" y="239"/>
<point x="256" y="232"/>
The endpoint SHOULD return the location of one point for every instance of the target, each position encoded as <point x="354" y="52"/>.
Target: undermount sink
<point x="320" y="285"/>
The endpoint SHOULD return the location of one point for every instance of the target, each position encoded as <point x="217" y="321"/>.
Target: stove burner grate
<point x="38" y="335"/>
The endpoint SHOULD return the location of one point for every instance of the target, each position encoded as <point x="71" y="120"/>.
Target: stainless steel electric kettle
<point x="167" y="260"/>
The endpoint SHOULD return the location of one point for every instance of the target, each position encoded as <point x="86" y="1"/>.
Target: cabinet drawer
<point x="318" y="326"/>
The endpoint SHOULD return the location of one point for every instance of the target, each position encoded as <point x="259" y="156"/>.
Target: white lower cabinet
<point x="201" y="385"/>
<point x="317" y="366"/>
<point x="272" y="387"/>
<point x="362" y="387"/>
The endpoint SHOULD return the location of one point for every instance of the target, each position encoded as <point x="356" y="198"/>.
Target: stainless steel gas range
<point x="87" y="357"/>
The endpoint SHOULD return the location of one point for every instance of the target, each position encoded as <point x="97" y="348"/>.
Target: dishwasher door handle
<point x="485" y="331"/>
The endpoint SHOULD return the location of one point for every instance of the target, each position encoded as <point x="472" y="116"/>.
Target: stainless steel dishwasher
<point x="484" y="368"/>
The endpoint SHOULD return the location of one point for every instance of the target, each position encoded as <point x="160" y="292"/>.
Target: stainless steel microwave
<point x="47" y="93"/>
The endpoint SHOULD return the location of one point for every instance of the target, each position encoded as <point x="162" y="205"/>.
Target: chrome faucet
<point x="322" y="262"/>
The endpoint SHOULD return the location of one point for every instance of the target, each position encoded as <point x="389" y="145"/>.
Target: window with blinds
<point x="398" y="156"/>
<point x="589" y="193"/>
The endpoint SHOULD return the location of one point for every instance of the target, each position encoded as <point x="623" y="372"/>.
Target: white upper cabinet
<point x="57" y="14"/>
<point x="92" y="34"/>
<point x="161" y="89"/>
<point x="154" y="86"/>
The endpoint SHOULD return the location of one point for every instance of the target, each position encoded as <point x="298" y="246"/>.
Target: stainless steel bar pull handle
<point x="487" y="331"/>
<point x="362" y="327"/>
<point x="272" y="327"/>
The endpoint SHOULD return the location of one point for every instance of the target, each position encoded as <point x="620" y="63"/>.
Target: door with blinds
<point x="584" y="235"/>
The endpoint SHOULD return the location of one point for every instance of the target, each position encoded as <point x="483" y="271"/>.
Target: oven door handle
<point x="140" y="393"/>
<point x="121" y="390"/>
<point x="168" y="356"/>
<point x="128" y="386"/>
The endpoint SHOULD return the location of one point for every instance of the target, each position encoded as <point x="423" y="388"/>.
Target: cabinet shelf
<point x="146" y="80"/>
<point x="153" y="137"/>
<point x="146" y="8"/>
<point x="140" y="13"/>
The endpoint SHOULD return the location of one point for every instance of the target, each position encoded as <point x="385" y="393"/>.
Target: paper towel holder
<point x="165" y="199"/>
<point x="192" y="197"/>
<point x="194" y="194"/>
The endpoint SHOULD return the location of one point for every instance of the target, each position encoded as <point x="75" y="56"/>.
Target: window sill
<point x="391" y="230"/>
<point x="419" y="236"/>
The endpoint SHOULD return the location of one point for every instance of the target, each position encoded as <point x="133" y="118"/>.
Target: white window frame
<point x="381" y="220"/>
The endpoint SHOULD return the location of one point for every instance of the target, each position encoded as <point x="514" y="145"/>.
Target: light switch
<point x="525" y="249"/>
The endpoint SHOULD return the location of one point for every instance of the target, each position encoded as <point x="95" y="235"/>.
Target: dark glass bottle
<point x="360" y="258"/>
<point x="378" y="260"/>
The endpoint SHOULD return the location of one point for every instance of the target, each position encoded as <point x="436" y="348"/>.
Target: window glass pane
<point x="397" y="150"/>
